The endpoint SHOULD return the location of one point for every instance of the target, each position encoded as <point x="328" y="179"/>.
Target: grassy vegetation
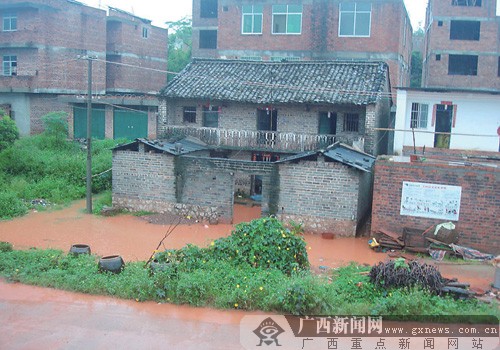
<point x="213" y="277"/>
<point x="49" y="167"/>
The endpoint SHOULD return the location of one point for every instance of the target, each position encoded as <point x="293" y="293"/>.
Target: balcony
<point x="261" y="140"/>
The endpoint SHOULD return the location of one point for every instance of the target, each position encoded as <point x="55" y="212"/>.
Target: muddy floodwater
<point x="134" y="239"/>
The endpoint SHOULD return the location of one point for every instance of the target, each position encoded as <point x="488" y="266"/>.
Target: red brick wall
<point x="479" y="223"/>
<point x="128" y="46"/>
<point x="50" y="39"/>
<point x="42" y="104"/>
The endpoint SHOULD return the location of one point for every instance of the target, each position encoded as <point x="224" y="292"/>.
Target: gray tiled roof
<point x="322" y="82"/>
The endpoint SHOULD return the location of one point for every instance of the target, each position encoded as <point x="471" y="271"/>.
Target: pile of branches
<point x="397" y="273"/>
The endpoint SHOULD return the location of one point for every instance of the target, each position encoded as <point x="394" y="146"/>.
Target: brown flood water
<point x="134" y="239"/>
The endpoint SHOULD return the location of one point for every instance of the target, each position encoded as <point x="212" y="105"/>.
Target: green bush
<point x="8" y="132"/>
<point x="224" y="284"/>
<point x="5" y="247"/>
<point x="11" y="206"/>
<point x="264" y="243"/>
<point x="261" y="243"/>
<point x="39" y="167"/>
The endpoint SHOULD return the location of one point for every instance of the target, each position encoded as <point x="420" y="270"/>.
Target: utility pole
<point x="89" y="134"/>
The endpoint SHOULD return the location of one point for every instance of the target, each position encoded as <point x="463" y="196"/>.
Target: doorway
<point x="267" y="120"/>
<point x="327" y="123"/>
<point x="444" y="118"/>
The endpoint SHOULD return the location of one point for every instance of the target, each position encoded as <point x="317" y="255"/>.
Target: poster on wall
<point x="432" y="201"/>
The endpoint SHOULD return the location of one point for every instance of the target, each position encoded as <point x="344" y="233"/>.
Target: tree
<point x="179" y="45"/>
<point x="8" y="131"/>
<point x="416" y="58"/>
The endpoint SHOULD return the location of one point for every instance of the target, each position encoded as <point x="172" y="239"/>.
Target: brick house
<point x="326" y="191"/>
<point x="40" y="42"/>
<point x="278" y="107"/>
<point x="462" y="45"/>
<point x="377" y="30"/>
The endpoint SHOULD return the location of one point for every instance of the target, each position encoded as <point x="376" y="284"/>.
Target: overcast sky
<point x="169" y="10"/>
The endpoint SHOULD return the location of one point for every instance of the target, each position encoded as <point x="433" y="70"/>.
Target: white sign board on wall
<point x="432" y="201"/>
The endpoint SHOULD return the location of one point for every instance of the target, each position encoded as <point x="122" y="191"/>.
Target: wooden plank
<point x="395" y="236"/>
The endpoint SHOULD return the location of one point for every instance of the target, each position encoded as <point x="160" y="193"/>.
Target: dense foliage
<point x="8" y="131"/>
<point x="179" y="45"/>
<point x="49" y="167"/>
<point x="262" y="243"/>
<point x="225" y="284"/>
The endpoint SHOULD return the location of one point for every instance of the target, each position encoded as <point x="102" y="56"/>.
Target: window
<point x="471" y="3"/>
<point x="251" y="22"/>
<point x="462" y="65"/>
<point x="9" y="22"/>
<point x="419" y="116"/>
<point x="145" y="32"/>
<point x="211" y="116"/>
<point x="189" y="115"/>
<point x="9" y="65"/>
<point x="208" y="8"/>
<point x="440" y="23"/>
<point x="351" y="122"/>
<point x="287" y="19"/>
<point x="208" y="39"/>
<point x="465" y="30"/>
<point x="355" y="19"/>
<point x="438" y="57"/>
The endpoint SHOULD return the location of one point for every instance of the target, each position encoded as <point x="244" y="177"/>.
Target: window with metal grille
<point x="287" y="19"/>
<point x="351" y="122"/>
<point x="355" y="19"/>
<point x="251" y="22"/>
<point x="208" y="8"/>
<point x="462" y="65"/>
<point x="9" y="65"/>
<point x="189" y="115"/>
<point x="472" y="3"/>
<point x="465" y="30"/>
<point x="9" y="22"/>
<point x="419" y="115"/>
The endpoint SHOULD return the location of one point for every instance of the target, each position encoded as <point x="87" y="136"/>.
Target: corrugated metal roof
<point x="311" y="82"/>
<point x="184" y="146"/>
<point x="350" y="156"/>
<point x="341" y="153"/>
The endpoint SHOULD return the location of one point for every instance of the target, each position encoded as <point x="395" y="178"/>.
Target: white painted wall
<point x="477" y="113"/>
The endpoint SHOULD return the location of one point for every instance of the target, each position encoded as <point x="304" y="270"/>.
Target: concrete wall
<point x="20" y="108"/>
<point x="476" y="114"/>
<point x="478" y="223"/>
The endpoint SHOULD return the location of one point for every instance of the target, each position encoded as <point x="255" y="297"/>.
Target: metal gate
<point x="80" y="122"/>
<point x="129" y="124"/>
